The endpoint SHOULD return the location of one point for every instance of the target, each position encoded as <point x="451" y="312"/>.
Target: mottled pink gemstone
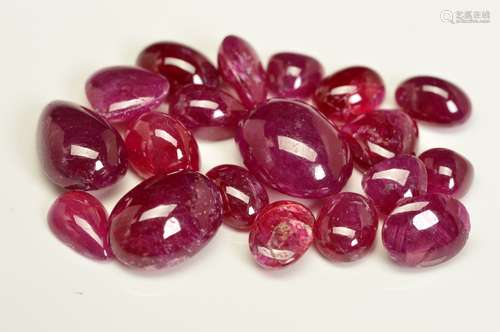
<point x="243" y="195"/>
<point x="380" y="135"/>
<point x="121" y="94"/>
<point x="165" y="219"/>
<point x="294" y="149"/>
<point x="282" y="234"/>
<point x="240" y="66"/>
<point x="349" y="92"/>
<point x="346" y="227"/>
<point x="180" y="64"/>
<point x="157" y="143"/>
<point x="448" y="171"/>
<point x="210" y="112"/>
<point x="433" y="99"/>
<point x="426" y="230"/>
<point x="293" y="75"/>
<point x="393" y="179"/>
<point x="78" y="148"/>
<point x="80" y="221"/>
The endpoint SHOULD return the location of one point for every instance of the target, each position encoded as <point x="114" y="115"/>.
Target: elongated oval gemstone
<point x="293" y="75"/>
<point x="426" y="230"/>
<point x="380" y="135"/>
<point x="165" y="220"/>
<point x="282" y="234"/>
<point x="180" y="64"/>
<point x="349" y="92"/>
<point x="240" y="66"/>
<point x="393" y="179"/>
<point x="448" y="171"/>
<point x="346" y="227"/>
<point x="78" y="149"/>
<point x="210" y="112"/>
<point x="433" y="99"/>
<point x="121" y="94"/>
<point x="157" y="143"/>
<point x="243" y="195"/>
<point x="80" y="221"/>
<point x="294" y="149"/>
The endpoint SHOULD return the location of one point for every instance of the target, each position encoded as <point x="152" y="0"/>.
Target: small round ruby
<point x="426" y="230"/>
<point x="78" y="149"/>
<point x="80" y="221"/>
<point x="349" y="93"/>
<point x="433" y="99"/>
<point x="282" y="234"/>
<point x="210" y="112"/>
<point x="157" y="143"/>
<point x="121" y="93"/>
<point x="293" y="75"/>
<point x="180" y="64"/>
<point x="448" y="171"/>
<point x="165" y="220"/>
<point x="393" y="179"/>
<point x="380" y="135"/>
<point x="240" y="66"/>
<point x="244" y="196"/>
<point x="346" y="227"/>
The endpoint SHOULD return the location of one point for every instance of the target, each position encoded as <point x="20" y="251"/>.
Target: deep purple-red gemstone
<point x="243" y="195"/>
<point x="78" y="148"/>
<point x="294" y="149"/>
<point x="346" y="227"/>
<point x="433" y="99"/>
<point x="210" y="112"/>
<point x="393" y="179"/>
<point x="380" y="135"/>
<point x="448" y="171"/>
<point x="165" y="219"/>
<point x="240" y="66"/>
<point x="293" y="75"/>
<point x="80" y="221"/>
<point x="426" y="230"/>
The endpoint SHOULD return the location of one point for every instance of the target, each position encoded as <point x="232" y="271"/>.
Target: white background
<point x="49" y="48"/>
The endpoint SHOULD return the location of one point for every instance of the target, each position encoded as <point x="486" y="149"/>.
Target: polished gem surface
<point x="78" y="149"/>
<point x="426" y="230"/>
<point x="157" y="143"/>
<point x="346" y="227"/>
<point x="165" y="219"/>
<point x="282" y="234"/>
<point x="294" y="149"/>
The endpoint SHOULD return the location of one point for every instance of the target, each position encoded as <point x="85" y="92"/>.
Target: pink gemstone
<point x="393" y="179"/>
<point x="211" y="112"/>
<point x="426" y="230"/>
<point x="282" y="234"/>
<point x="79" y="149"/>
<point x="121" y="94"/>
<point x="291" y="147"/>
<point x="346" y="227"/>
<point x="434" y="100"/>
<point x="449" y="172"/>
<point x="293" y="75"/>
<point x="80" y="221"/>
<point x="243" y="195"/>
<point x="157" y="143"/>
<point x="380" y="135"/>
<point x="165" y="219"/>
<point x="180" y="64"/>
<point x="240" y="66"/>
<point x="349" y="93"/>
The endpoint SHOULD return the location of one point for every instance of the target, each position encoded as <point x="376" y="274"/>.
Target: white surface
<point x="50" y="47"/>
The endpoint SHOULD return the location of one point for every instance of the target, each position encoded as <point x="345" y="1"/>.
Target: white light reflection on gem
<point x="165" y="136"/>
<point x="217" y="114"/>
<point x="283" y="256"/>
<point x="355" y="98"/>
<point x="171" y="227"/>
<point x="354" y="242"/>
<point x="344" y="231"/>
<point x="184" y="65"/>
<point x="443" y="170"/>
<point x="237" y="194"/>
<point x="98" y="165"/>
<point x="395" y="174"/>
<point x="425" y="220"/>
<point x="204" y="104"/>
<point x="85" y="226"/>
<point x="343" y="90"/>
<point x="251" y="211"/>
<point x="293" y="70"/>
<point x="179" y="154"/>
<point x="197" y="79"/>
<point x="436" y="90"/>
<point x="296" y="148"/>
<point x="319" y="172"/>
<point x="377" y="149"/>
<point x="81" y="151"/>
<point x="452" y="107"/>
<point x="159" y="211"/>
<point x="410" y="207"/>
<point x="297" y="83"/>
<point x="120" y="105"/>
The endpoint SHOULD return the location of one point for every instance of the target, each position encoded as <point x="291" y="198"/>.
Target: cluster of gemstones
<point x="298" y="132"/>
